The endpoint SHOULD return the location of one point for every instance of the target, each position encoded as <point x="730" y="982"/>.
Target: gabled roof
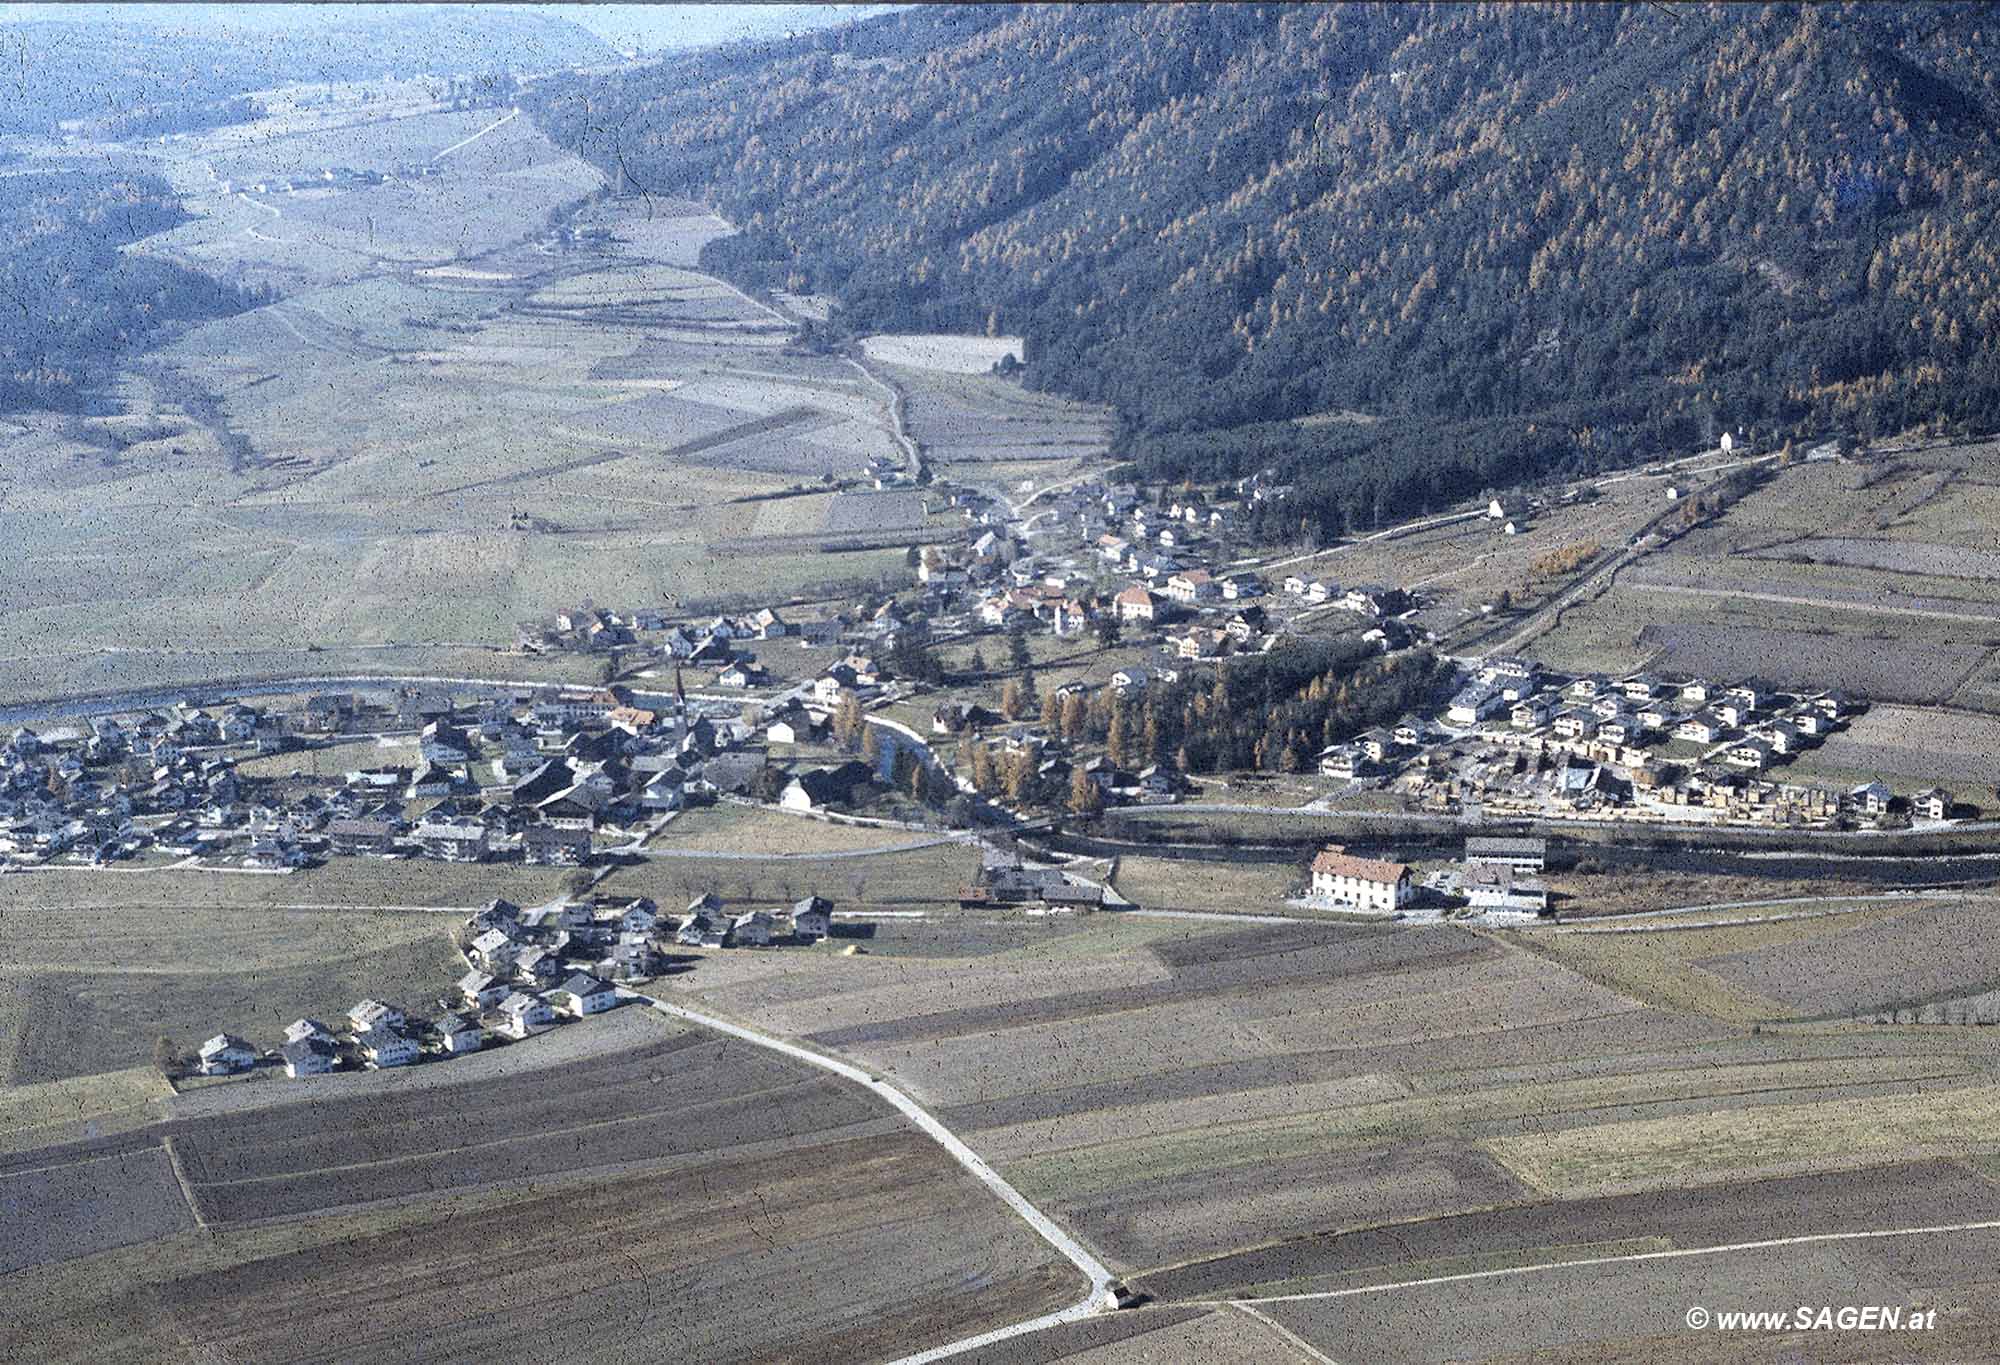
<point x="1335" y="863"/>
<point x="583" y="983"/>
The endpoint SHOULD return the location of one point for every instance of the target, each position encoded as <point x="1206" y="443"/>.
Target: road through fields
<point x="1100" y="1277"/>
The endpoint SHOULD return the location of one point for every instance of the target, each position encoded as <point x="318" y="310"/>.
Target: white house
<point x="374" y="1014"/>
<point x="1365" y="883"/>
<point x="482" y="990"/>
<point x="1495" y="886"/>
<point x="1474" y="704"/>
<point x="307" y="1057"/>
<point x="301" y="1029"/>
<point x="523" y="1014"/>
<point x="1137" y="604"/>
<point x="458" y="1034"/>
<point x="383" y="1046"/>
<point x="224" y="1054"/>
<point x="583" y="994"/>
<point x="812" y="918"/>
<point x="751" y="930"/>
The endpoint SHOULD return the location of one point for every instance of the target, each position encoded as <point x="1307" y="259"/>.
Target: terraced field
<point x="445" y="425"/>
<point x="1226" y="1110"/>
<point x="620" y="1188"/>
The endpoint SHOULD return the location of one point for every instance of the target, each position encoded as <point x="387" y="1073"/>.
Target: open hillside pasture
<point x="90" y="989"/>
<point x="1877" y="576"/>
<point x="988" y="430"/>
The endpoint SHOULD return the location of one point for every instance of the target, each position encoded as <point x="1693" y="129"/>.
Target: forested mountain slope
<point x="1533" y="239"/>
<point x="70" y="299"/>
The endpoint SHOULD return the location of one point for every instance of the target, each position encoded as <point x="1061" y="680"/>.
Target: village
<point x="528" y="969"/>
<point x="1515" y="741"/>
<point x="850" y="709"/>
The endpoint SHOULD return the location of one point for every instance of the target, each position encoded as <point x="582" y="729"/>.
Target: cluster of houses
<point x="715" y="640"/>
<point x="1010" y="883"/>
<point x="1168" y="553"/>
<point x="528" y="969"/>
<point x="538" y="776"/>
<point x="1515" y="739"/>
<point x="1056" y="761"/>
<point x="101" y="790"/>
<point x="326" y="178"/>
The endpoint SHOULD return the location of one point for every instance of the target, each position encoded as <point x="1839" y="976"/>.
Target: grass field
<point x="712" y="1170"/>
<point x="93" y="988"/>
<point x="1196" y="884"/>
<point x="1876" y="577"/>
<point x="922" y="878"/>
<point x="730" y="828"/>
<point x="465" y="432"/>
<point x="1637" y="1310"/>
<point x="1178" y="1090"/>
<point x="335" y="759"/>
<point x="1932" y="1121"/>
<point x="1871" y="957"/>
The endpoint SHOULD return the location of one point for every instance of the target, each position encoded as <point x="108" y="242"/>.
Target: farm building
<point x="821" y="787"/>
<point x="812" y="918"/>
<point x="1364" y="883"/>
<point x="1495" y="886"/>
<point x="1012" y="884"/>
<point x="1522" y="855"/>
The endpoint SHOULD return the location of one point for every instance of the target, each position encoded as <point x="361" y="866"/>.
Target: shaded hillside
<point x="70" y="299"/>
<point x="1537" y="240"/>
<point x="145" y="78"/>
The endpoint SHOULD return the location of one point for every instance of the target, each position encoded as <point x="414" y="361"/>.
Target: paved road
<point x="502" y="121"/>
<point x="1100" y="1277"/>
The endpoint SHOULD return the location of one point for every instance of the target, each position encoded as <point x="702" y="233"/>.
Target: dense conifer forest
<point x="1403" y="251"/>
<point x="70" y="300"/>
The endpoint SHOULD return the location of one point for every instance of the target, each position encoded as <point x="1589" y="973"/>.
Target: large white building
<point x="1364" y="883"/>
